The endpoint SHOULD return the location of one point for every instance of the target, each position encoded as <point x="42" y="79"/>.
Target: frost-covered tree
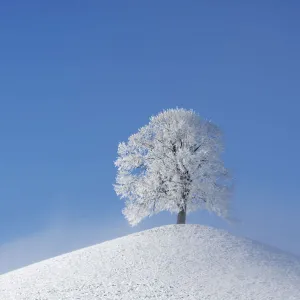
<point x="172" y="164"/>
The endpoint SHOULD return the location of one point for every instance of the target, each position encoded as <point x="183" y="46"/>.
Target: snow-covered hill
<point x="171" y="262"/>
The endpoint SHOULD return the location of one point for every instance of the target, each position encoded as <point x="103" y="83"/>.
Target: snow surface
<point x="170" y="262"/>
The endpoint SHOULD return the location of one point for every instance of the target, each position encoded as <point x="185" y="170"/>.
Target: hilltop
<point x="171" y="262"/>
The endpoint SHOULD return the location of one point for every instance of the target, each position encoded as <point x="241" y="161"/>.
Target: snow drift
<point x="171" y="262"/>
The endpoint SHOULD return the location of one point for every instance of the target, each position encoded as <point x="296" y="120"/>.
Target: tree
<point x="172" y="164"/>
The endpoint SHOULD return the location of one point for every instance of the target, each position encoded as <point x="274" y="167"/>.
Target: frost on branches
<point x="172" y="164"/>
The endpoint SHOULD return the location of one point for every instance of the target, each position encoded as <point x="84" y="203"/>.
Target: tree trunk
<point x="181" y="217"/>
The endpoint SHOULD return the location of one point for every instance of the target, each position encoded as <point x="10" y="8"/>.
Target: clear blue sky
<point x="77" y="77"/>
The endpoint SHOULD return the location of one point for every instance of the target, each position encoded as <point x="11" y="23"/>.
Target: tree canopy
<point x="173" y="164"/>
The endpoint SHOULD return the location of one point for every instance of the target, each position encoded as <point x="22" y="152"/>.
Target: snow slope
<point x="171" y="262"/>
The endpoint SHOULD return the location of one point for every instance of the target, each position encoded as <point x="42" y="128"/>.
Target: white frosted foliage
<point x="172" y="164"/>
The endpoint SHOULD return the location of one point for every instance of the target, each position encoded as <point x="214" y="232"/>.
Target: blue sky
<point x="77" y="77"/>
